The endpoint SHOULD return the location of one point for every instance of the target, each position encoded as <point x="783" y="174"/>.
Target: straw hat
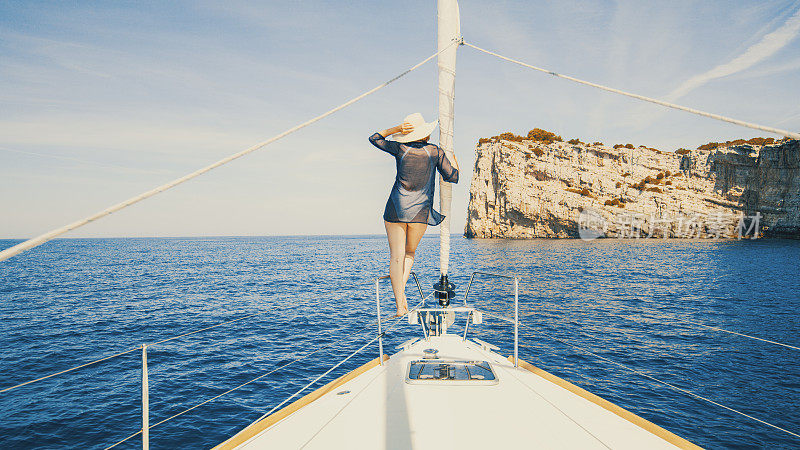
<point x="421" y="128"/>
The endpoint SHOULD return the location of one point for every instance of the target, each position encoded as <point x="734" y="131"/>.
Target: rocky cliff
<point x="540" y="187"/>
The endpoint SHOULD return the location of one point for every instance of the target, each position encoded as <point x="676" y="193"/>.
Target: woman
<point x="409" y="209"/>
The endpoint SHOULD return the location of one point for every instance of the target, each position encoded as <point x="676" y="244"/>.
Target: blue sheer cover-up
<point x="411" y="199"/>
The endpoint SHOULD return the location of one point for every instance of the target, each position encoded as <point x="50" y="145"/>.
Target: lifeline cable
<point x="639" y="372"/>
<point x="226" y="392"/>
<point x="678" y="319"/>
<point x="269" y="373"/>
<point x="128" y="351"/>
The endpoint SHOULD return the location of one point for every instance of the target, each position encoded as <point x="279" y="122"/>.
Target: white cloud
<point x="756" y="53"/>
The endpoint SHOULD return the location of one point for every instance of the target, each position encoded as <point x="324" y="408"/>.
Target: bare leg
<point x="396" y="232"/>
<point x="414" y="234"/>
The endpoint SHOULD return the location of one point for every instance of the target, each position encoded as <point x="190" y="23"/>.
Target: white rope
<point x="647" y="99"/>
<point x="31" y="243"/>
<point x="700" y="397"/>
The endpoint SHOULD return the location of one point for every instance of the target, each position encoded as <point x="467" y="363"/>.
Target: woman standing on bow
<point x="409" y="209"/>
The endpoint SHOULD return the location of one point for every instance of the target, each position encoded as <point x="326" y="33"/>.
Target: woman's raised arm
<point x="404" y="128"/>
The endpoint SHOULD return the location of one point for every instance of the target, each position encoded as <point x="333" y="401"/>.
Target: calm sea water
<point x="72" y="301"/>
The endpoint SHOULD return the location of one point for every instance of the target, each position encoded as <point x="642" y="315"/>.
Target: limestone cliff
<point x="525" y="188"/>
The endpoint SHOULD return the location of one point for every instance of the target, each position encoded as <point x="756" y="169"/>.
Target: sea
<point x="608" y="315"/>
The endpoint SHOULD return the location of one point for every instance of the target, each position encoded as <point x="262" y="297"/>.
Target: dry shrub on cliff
<point x="540" y="135"/>
<point x="538" y="152"/>
<point x="667" y="173"/>
<point x="536" y="134"/>
<point x="615" y="202"/>
<point x="575" y="141"/>
<point x="619" y="185"/>
<point x="761" y="141"/>
<point x="668" y="183"/>
<point x="753" y="141"/>
<point x="709" y="146"/>
<point x="509" y="136"/>
<point x="600" y="144"/>
<point x="683" y="151"/>
<point x="660" y="176"/>
<point x="655" y="189"/>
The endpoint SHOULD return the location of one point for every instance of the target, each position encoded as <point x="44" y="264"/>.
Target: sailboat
<point x="438" y="389"/>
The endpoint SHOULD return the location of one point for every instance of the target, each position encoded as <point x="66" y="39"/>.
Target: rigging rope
<point x="639" y="372"/>
<point x="647" y="99"/>
<point x="39" y="240"/>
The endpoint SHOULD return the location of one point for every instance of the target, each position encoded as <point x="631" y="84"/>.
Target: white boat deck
<point x="526" y="408"/>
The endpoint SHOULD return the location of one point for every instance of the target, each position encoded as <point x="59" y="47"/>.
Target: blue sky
<point x="100" y="101"/>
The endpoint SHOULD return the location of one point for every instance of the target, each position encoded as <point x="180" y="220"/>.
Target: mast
<point x="448" y="29"/>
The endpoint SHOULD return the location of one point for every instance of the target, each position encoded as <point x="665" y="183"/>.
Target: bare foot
<point x="402" y="312"/>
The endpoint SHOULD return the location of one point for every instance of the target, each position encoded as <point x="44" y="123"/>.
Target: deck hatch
<point x="450" y="372"/>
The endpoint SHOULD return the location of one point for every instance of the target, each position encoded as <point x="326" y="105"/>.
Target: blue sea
<point x="75" y="300"/>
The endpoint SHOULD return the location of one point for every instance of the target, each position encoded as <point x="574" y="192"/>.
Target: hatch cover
<point x="440" y="371"/>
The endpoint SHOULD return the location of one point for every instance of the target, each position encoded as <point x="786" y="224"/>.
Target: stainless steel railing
<point x="515" y="321"/>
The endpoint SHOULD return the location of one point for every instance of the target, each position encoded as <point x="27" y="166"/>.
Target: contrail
<point x="763" y="49"/>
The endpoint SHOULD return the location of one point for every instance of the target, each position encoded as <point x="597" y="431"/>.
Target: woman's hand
<point x="405" y="128"/>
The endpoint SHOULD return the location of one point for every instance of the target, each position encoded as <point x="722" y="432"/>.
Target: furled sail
<point x="449" y="29"/>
